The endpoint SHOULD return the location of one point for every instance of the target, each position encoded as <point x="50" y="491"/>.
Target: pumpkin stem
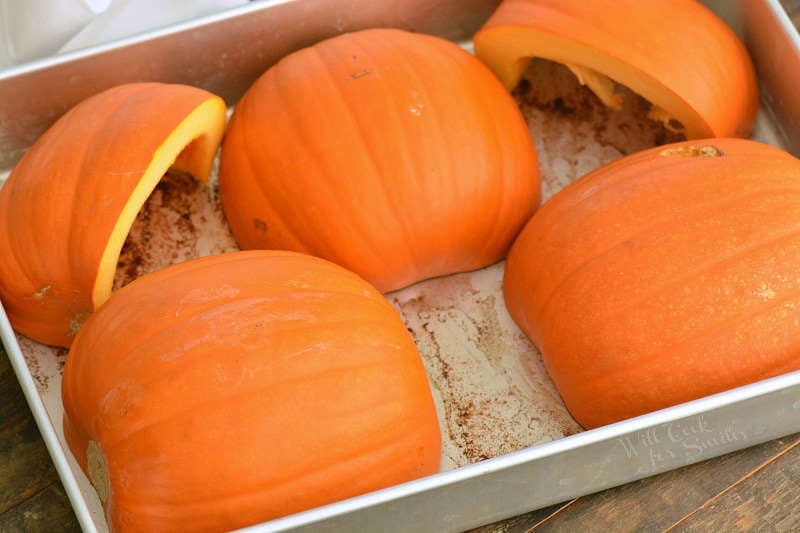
<point x="97" y="470"/>
<point x="692" y="150"/>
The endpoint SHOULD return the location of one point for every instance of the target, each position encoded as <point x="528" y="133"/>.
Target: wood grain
<point x="31" y="494"/>
<point x="48" y="510"/>
<point x="764" y="500"/>
<point x="716" y="495"/>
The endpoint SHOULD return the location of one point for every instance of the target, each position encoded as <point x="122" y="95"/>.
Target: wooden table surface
<point x="757" y="489"/>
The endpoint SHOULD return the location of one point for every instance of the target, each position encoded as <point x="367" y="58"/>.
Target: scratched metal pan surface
<point x="510" y="446"/>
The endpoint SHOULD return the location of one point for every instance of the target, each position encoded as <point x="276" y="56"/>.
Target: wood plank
<point x="31" y="494"/>
<point x="48" y="510"/>
<point x="25" y="465"/>
<point x="13" y="406"/>
<point x="767" y="500"/>
<point x="653" y="503"/>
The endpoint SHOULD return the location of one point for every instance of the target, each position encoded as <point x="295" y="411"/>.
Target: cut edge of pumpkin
<point x="507" y="51"/>
<point x="191" y="147"/>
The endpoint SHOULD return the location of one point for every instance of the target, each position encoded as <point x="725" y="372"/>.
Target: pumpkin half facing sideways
<point x="232" y="389"/>
<point x="677" y="54"/>
<point x="665" y="276"/>
<point x="69" y="203"/>
<point x="397" y="155"/>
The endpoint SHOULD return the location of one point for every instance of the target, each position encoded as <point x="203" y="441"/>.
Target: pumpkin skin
<point x="675" y="53"/>
<point x="232" y="389"/>
<point x="69" y="203"/>
<point x="396" y="155"/>
<point x="665" y="276"/>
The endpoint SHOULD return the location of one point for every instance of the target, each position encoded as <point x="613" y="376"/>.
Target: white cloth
<point x="30" y="29"/>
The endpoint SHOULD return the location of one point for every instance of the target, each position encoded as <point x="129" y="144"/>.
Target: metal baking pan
<point x="224" y="53"/>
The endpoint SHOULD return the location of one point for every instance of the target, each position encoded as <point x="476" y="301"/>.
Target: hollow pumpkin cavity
<point x="607" y="43"/>
<point x="75" y="193"/>
<point x="608" y="91"/>
<point x="550" y="92"/>
<point x="188" y="149"/>
<point x="180" y="220"/>
<point x="606" y="87"/>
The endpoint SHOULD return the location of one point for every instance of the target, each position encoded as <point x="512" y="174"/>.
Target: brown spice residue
<point x="45" y="363"/>
<point x="182" y="219"/>
<point x="491" y="395"/>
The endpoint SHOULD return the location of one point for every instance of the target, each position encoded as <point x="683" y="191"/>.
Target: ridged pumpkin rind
<point x="232" y="389"/>
<point x="65" y="198"/>
<point x="663" y="277"/>
<point x="397" y="155"/>
<point x="675" y="53"/>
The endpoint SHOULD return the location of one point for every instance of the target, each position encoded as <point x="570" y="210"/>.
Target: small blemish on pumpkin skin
<point x="77" y="322"/>
<point x="259" y="225"/>
<point x="41" y="293"/>
<point x="360" y="74"/>
<point x="765" y="292"/>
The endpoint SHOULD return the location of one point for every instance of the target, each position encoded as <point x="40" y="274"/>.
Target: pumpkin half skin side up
<point x="397" y="155"/>
<point x="69" y="203"/>
<point x="677" y="54"/>
<point x="233" y="389"/>
<point x="663" y="277"/>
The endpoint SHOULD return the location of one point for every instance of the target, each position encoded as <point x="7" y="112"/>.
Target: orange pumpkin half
<point x="232" y="389"/>
<point x="676" y="54"/>
<point x="69" y="203"/>
<point x="663" y="277"/>
<point x="397" y="155"/>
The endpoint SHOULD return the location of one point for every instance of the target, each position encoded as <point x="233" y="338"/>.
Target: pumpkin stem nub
<point x="97" y="470"/>
<point x="693" y="150"/>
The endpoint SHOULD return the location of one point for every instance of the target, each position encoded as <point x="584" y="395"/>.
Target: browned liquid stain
<point x="182" y="219"/>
